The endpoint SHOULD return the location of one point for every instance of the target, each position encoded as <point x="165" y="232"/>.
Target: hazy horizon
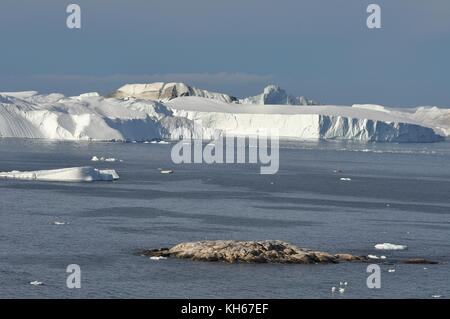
<point x="320" y="49"/>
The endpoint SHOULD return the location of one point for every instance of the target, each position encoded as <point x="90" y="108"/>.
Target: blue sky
<point x="318" y="48"/>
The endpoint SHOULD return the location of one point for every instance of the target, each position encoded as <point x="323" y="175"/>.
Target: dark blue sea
<point x="398" y="193"/>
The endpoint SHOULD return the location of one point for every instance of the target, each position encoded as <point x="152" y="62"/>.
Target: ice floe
<point x="105" y="159"/>
<point x="389" y="246"/>
<point x="59" y="223"/>
<point x="72" y="174"/>
<point x="36" y="283"/>
<point x="157" y="258"/>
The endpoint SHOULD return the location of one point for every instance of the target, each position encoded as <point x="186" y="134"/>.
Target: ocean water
<point x="398" y="193"/>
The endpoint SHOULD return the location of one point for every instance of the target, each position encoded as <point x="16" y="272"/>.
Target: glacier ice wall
<point x="93" y="117"/>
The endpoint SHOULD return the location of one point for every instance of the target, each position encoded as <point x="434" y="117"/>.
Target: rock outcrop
<point x="420" y="261"/>
<point x="268" y="251"/>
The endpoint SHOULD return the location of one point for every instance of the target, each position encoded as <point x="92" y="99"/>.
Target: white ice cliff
<point x="93" y="117"/>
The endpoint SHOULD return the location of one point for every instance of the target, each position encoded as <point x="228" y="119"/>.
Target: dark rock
<point x="420" y="261"/>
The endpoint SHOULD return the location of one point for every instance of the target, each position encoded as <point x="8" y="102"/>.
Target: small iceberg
<point x="72" y="174"/>
<point x="159" y="142"/>
<point x="157" y="258"/>
<point x="345" y="179"/>
<point x="36" y="283"/>
<point x="388" y="246"/>
<point x="341" y="288"/>
<point x="166" y="171"/>
<point x="59" y="223"/>
<point x="104" y="159"/>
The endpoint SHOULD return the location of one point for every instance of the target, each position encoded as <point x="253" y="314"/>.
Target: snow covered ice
<point x="273" y="94"/>
<point x="73" y="174"/>
<point x="168" y="111"/>
<point x="160" y="91"/>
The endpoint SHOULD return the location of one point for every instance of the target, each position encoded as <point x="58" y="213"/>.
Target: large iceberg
<point x="94" y="117"/>
<point x="309" y="122"/>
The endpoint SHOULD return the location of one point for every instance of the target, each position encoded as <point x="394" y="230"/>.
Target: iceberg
<point x="72" y="174"/>
<point x="95" y="158"/>
<point x="389" y="246"/>
<point x="152" y="115"/>
<point x="273" y="94"/>
<point x="318" y="122"/>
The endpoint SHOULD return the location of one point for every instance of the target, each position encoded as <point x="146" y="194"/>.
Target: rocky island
<point x="233" y="251"/>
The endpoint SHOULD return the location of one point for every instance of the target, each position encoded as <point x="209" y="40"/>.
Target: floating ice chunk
<point x="333" y="289"/>
<point x="36" y="283"/>
<point x="166" y="171"/>
<point x="72" y="174"/>
<point x="373" y="257"/>
<point x="110" y="172"/>
<point x="160" y="142"/>
<point x="345" y="179"/>
<point x="104" y="159"/>
<point x="436" y="296"/>
<point x="157" y="258"/>
<point x="391" y="270"/>
<point x="388" y="246"/>
<point x="341" y="290"/>
<point x="59" y="223"/>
